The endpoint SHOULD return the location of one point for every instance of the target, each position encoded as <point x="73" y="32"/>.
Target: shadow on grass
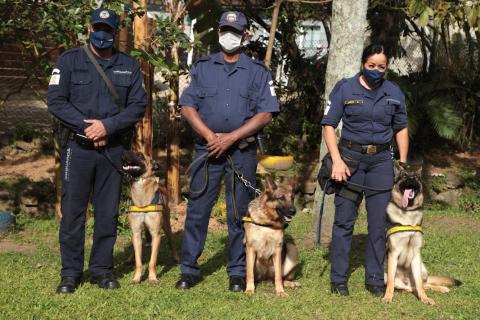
<point x="218" y="260"/>
<point x="125" y="261"/>
<point x="357" y="254"/>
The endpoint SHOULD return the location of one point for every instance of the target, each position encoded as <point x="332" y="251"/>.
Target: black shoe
<point x="68" y="285"/>
<point x="237" y="284"/>
<point x="377" y="291"/>
<point x="105" y="281"/>
<point x="187" y="281"/>
<point x="340" y="288"/>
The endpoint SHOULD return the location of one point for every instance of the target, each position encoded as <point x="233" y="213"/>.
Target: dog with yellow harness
<point x="404" y="267"/>
<point x="150" y="209"/>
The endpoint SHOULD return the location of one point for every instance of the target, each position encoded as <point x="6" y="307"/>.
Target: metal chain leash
<point x="240" y="176"/>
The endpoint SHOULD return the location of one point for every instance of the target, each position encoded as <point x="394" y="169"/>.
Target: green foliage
<point x="470" y="203"/>
<point x="44" y="28"/>
<point x="439" y="184"/>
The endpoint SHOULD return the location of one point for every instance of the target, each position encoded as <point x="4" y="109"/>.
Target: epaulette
<point x="260" y="63"/>
<point x="70" y="51"/>
<point x="205" y="58"/>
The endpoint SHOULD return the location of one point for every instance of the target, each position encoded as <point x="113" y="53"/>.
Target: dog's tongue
<point x="407" y="194"/>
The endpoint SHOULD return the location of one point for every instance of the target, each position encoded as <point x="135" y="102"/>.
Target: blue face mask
<point x="373" y="77"/>
<point x="101" y="39"/>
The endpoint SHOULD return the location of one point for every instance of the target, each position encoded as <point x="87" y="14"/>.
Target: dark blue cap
<point x="107" y="16"/>
<point x="234" y="19"/>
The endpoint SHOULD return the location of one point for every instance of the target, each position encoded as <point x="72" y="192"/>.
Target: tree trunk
<point x="349" y="22"/>
<point x="143" y="130"/>
<point x="273" y="29"/>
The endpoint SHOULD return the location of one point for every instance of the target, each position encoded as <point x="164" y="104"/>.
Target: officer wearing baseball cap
<point x="230" y="98"/>
<point x="93" y="125"/>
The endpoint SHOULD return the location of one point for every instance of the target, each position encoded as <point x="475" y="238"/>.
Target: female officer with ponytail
<point x="373" y="113"/>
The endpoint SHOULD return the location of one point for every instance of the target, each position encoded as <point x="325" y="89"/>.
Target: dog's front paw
<point x="249" y="292"/>
<point x="135" y="281"/>
<point x="153" y="281"/>
<point x="427" y="300"/>
<point x="387" y="299"/>
<point x="281" y="293"/>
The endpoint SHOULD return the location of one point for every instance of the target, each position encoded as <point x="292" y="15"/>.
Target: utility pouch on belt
<point x="330" y="186"/>
<point x="63" y="134"/>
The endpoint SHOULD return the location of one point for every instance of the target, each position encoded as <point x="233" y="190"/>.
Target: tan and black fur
<point x="269" y="256"/>
<point x="404" y="267"/>
<point x="143" y="188"/>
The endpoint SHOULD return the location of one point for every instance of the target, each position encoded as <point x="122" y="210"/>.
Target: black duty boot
<point x="377" y="291"/>
<point x="187" y="281"/>
<point x="237" y="284"/>
<point x="105" y="281"/>
<point x="340" y="288"/>
<point x="68" y="285"/>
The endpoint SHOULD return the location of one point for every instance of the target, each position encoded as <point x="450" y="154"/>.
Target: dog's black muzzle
<point x="287" y="213"/>
<point x="133" y="163"/>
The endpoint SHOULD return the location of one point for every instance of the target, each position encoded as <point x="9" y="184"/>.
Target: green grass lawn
<point x="29" y="274"/>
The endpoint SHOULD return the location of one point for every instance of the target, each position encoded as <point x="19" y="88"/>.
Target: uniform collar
<point x="241" y="63"/>
<point x="115" y="61"/>
<point x="373" y="94"/>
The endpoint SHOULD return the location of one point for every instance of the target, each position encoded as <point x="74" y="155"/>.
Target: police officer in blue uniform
<point x="373" y="113"/>
<point x="229" y="99"/>
<point x="93" y="126"/>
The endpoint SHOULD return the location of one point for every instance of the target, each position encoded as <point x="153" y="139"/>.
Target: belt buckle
<point x="371" y="149"/>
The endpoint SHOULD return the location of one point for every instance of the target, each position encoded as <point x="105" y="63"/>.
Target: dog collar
<point x="397" y="229"/>
<point x="248" y="219"/>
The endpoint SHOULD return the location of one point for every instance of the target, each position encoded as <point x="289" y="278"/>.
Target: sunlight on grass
<point x="28" y="280"/>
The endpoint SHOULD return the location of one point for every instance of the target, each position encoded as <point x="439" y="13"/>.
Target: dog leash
<point x="236" y="173"/>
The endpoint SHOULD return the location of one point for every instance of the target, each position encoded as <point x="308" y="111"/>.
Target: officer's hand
<point x="102" y="142"/>
<point x="96" y="130"/>
<point x="220" y="145"/>
<point x="340" y="171"/>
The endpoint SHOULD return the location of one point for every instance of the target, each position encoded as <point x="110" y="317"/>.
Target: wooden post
<point x="173" y="138"/>
<point x="144" y="130"/>
<point x="273" y="29"/>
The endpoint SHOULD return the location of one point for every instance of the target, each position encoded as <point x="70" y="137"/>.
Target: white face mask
<point x="230" y="41"/>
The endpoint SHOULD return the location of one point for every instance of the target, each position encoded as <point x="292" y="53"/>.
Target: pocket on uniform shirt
<point x="391" y="106"/>
<point x="206" y="97"/>
<point x="122" y="83"/>
<point x="249" y="102"/>
<point x="80" y="86"/>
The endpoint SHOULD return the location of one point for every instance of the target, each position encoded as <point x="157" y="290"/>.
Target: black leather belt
<point x="364" y="148"/>
<point x="88" y="144"/>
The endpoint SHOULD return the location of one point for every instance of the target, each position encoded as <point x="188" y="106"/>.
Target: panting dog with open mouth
<point x="404" y="267"/>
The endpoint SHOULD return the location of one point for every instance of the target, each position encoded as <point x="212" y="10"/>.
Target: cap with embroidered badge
<point x="106" y="16"/>
<point x="234" y="19"/>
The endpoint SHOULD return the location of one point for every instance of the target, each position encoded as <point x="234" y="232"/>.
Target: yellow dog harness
<point x="397" y="229"/>
<point x="150" y="208"/>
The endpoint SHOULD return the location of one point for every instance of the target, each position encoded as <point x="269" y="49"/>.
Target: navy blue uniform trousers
<point x="84" y="173"/>
<point x="374" y="171"/>
<point x="200" y="206"/>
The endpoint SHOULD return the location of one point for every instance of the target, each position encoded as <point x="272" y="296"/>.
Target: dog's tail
<point x="443" y="281"/>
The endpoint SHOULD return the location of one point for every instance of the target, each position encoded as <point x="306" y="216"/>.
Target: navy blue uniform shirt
<point x="226" y="99"/>
<point x="369" y="116"/>
<point x="77" y="92"/>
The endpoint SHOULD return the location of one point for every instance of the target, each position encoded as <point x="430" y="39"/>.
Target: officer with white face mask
<point x="230" y="98"/>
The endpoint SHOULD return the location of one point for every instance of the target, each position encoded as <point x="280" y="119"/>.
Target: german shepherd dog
<point x="144" y="188"/>
<point x="269" y="256"/>
<point x="404" y="267"/>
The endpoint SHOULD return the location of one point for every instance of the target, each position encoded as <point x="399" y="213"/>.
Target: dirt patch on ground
<point x="178" y="216"/>
<point x="8" y="245"/>
<point x="33" y="165"/>
<point x="453" y="225"/>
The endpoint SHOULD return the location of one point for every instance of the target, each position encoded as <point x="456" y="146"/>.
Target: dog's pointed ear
<point x="418" y="172"/>
<point x="397" y="169"/>
<point x="270" y="185"/>
<point x="155" y="167"/>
